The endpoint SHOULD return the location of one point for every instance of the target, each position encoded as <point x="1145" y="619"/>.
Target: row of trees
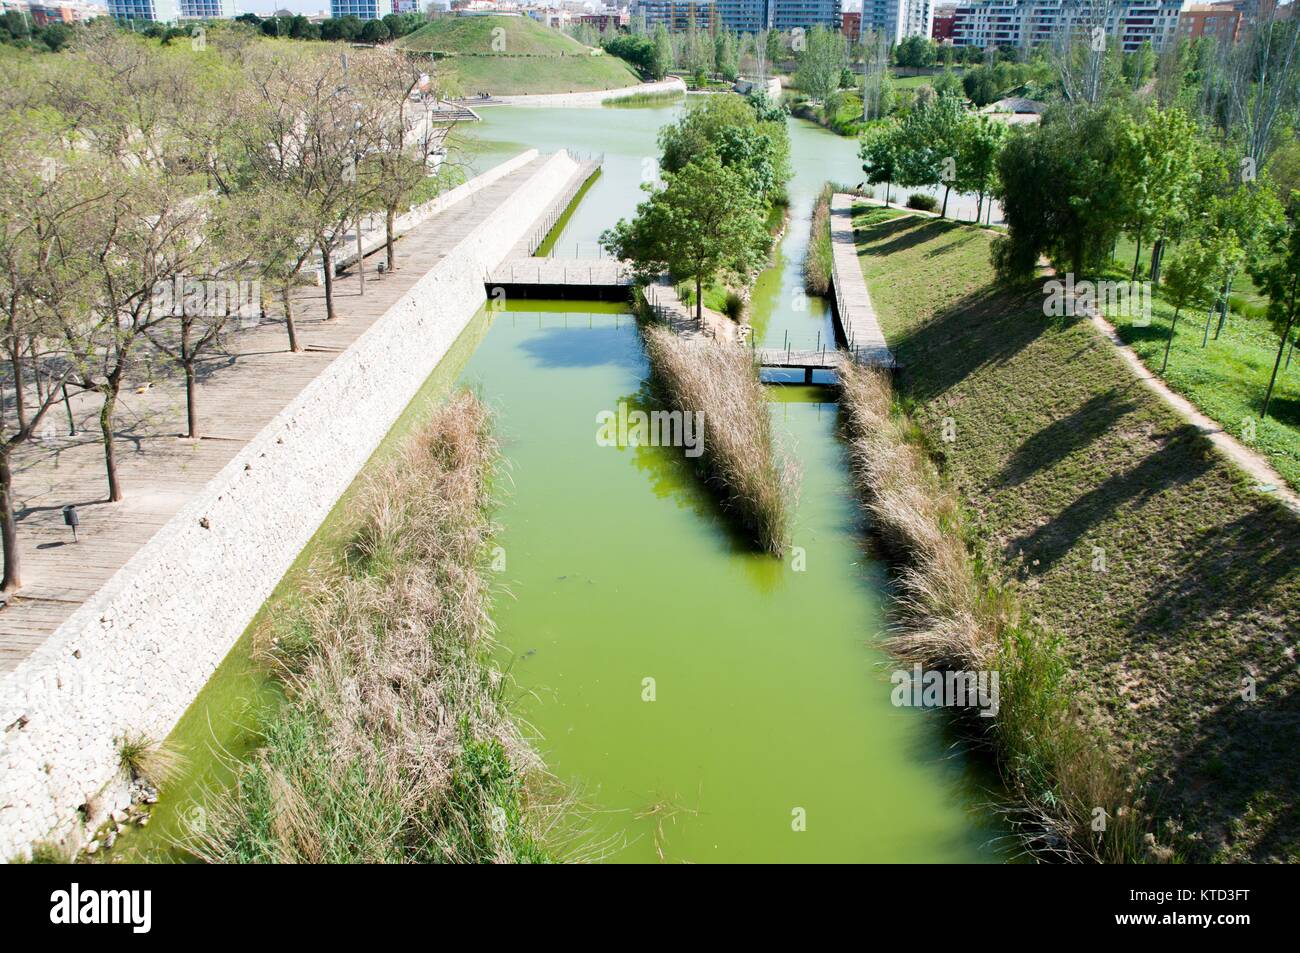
<point x="1203" y="161"/>
<point x="724" y="165"/>
<point x="937" y="143"/>
<point x="144" y="182"/>
<point x="349" y="29"/>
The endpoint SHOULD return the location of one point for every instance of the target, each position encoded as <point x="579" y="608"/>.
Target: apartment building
<point x="1220" y="21"/>
<point x="362" y="9"/>
<point x="744" y="16"/>
<point x="898" y="19"/>
<point x="159" y="11"/>
<point x="1028" y="23"/>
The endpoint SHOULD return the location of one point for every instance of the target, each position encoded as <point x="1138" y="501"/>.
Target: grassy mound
<point x="511" y="56"/>
<point x="1171" y="585"/>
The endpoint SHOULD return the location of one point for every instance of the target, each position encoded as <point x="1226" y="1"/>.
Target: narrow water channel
<point x="621" y="581"/>
<point x="769" y="700"/>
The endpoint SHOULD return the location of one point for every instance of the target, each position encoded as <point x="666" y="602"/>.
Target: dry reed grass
<point x="950" y="616"/>
<point x="394" y="746"/>
<point x="758" y="482"/>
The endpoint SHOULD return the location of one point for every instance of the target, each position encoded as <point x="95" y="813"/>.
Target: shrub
<point x="923" y="202"/>
<point x="735" y="306"/>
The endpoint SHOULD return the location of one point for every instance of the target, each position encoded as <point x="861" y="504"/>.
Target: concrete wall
<point x="372" y="230"/>
<point x="134" y="656"/>
<point x="674" y="84"/>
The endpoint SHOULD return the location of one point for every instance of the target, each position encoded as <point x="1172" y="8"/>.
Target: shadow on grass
<point x="1242" y="768"/>
<point x="1185" y="457"/>
<point x="1063" y="437"/>
<point x="986" y="327"/>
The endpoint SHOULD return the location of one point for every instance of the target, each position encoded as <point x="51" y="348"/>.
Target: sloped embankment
<point x="1170" y="583"/>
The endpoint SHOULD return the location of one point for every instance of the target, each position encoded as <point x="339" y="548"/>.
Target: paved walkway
<point x="856" y="314"/>
<point x="1255" y="464"/>
<point x="240" y="391"/>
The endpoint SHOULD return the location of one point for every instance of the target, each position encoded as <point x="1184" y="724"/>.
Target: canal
<point x="703" y="702"/>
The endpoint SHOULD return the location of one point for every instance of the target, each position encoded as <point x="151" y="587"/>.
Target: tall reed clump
<point x="951" y="614"/>
<point x="757" y="481"/>
<point x="394" y="745"/>
<point x="817" y="266"/>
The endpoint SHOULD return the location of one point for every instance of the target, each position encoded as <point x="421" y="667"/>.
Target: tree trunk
<point x="287" y="295"/>
<point x="943" y="212"/>
<point x="16" y="358"/>
<point x="979" y="209"/>
<point x="887" y="183"/>
<point x="13" y="578"/>
<point x="1286" y="336"/>
<point x="110" y="451"/>
<point x="1157" y="260"/>
<point x="389" y="239"/>
<point x="1137" y="258"/>
<point x="699" y="301"/>
<point x="1169" y="343"/>
<point x="329" y="282"/>
<point x="1223" y="308"/>
<point x="191" y="401"/>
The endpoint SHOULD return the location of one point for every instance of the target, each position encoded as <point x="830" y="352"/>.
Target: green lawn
<point x="520" y="36"/>
<point x="517" y="76"/>
<point x="1227" y="377"/>
<point x="1166" y="577"/>
<point x="527" y="57"/>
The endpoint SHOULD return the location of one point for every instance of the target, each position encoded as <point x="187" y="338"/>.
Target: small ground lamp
<point x="70" y="518"/>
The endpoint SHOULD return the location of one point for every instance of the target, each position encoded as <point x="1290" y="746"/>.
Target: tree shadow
<point x="1231" y="572"/>
<point x="986" y="327"/>
<point x="1184" y="457"/>
<point x="1242" y="764"/>
<point x="1063" y="437"/>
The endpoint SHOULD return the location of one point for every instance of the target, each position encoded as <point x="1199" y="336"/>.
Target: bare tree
<point x="1085" y="49"/>
<point x="1263" y="83"/>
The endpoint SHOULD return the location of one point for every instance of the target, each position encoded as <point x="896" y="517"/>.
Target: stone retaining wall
<point x="674" y="84"/>
<point x="135" y="655"/>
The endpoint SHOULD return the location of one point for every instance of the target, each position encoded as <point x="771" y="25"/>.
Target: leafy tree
<point x="1278" y="275"/>
<point x="1158" y="173"/>
<point x="980" y="86"/>
<point x="930" y="141"/>
<point x="1058" y="183"/>
<point x="915" y="53"/>
<point x="706" y="220"/>
<point x="879" y="151"/>
<point x="727" y="127"/>
<point x="663" y="59"/>
<point x="977" y="158"/>
<point x="374" y="32"/>
<point x="1241" y="221"/>
<point x="1189" y="282"/>
<point x="820" y="63"/>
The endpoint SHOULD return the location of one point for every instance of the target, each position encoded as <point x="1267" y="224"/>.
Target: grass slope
<point x="531" y="58"/>
<point x="1063" y="459"/>
<point x="1226" y="378"/>
<point x="523" y="36"/>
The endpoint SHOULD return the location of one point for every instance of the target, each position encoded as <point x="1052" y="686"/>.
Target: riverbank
<point x="1164" y="577"/>
<point x="394" y="746"/>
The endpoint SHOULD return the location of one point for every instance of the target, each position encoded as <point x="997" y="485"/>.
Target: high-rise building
<point x="744" y="16"/>
<point x="1029" y="23"/>
<point x="898" y="19"/>
<point x="363" y="9"/>
<point x="207" y="9"/>
<point x="160" y="11"/>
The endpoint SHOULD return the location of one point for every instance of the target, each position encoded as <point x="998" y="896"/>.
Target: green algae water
<point x="711" y="703"/>
<point x="706" y="703"/>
